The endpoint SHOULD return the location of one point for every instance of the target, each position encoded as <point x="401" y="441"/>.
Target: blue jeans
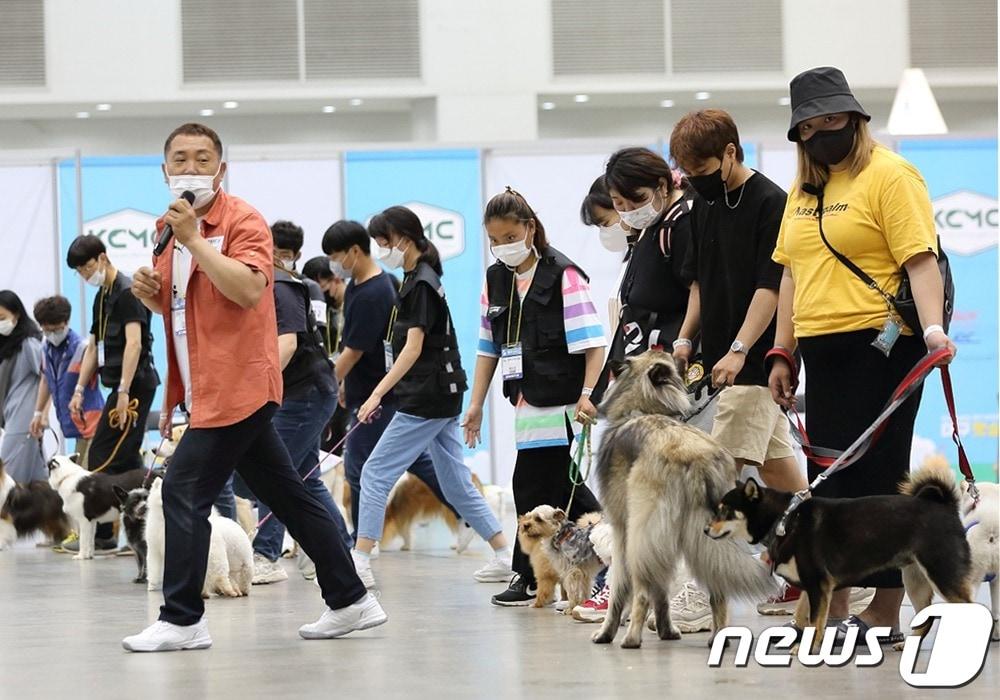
<point x="226" y="502"/>
<point x="403" y="441"/>
<point x="300" y="424"/>
<point x="358" y="448"/>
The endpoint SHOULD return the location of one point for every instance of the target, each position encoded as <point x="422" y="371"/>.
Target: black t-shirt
<point x="113" y="309"/>
<point x="367" y="309"/>
<point x="308" y="367"/>
<point x="730" y="258"/>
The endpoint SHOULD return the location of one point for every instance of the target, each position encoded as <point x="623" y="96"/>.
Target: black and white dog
<point x="134" y="506"/>
<point x="89" y="498"/>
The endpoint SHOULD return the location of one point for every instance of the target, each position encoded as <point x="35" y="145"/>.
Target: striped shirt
<point x="545" y="426"/>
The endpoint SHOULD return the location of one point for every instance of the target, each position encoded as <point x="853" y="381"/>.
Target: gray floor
<point x="61" y="622"/>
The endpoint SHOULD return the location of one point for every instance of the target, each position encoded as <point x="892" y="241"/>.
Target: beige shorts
<point x="750" y="425"/>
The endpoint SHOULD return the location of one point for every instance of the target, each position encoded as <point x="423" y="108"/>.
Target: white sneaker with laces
<point x="364" y="568"/>
<point x="363" y="615"/>
<point x="465" y="536"/>
<point x="267" y="571"/>
<point x="164" y="636"/>
<point x="690" y="609"/>
<point x="496" y="571"/>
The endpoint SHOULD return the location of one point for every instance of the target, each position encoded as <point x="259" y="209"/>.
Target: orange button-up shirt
<point x="233" y="351"/>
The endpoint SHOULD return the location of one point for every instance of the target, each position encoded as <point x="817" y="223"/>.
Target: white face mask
<point x="642" y="217"/>
<point x="96" y="279"/>
<point x="7" y="326"/>
<point x="392" y="257"/>
<point x="201" y="186"/>
<point x="511" y="254"/>
<point x="56" y="338"/>
<point x="614" y="238"/>
<point x="339" y="270"/>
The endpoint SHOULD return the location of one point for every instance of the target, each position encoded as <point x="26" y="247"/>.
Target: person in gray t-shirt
<point x="20" y="369"/>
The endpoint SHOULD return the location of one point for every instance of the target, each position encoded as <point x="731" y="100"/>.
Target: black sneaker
<point x="518" y="594"/>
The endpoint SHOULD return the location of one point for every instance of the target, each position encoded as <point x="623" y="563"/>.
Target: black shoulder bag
<point x="903" y="301"/>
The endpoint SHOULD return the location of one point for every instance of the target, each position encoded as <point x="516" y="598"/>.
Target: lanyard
<point x="510" y="314"/>
<point x="392" y="322"/>
<point x="102" y="319"/>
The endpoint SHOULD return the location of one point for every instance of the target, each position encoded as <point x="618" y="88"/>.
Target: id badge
<point x="100" y="353"/>
<point x="888" y="336"/>
<point x="389" y="359"/>
<point x="512" y="362"/>
<point x="178" y="317"/>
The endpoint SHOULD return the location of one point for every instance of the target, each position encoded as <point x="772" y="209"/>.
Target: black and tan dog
<point x="833" y="543"/>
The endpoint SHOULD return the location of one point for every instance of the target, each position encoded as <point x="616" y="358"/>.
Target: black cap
<point x="817" y="92"/>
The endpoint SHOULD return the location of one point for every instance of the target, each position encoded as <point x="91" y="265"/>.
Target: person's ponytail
<point x="429" y="254"/>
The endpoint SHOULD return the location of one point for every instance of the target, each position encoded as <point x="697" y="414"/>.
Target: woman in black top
<point x="424" y="371"/>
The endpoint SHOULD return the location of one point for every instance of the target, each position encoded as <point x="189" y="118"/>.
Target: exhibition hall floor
<point x="61" y="622"/>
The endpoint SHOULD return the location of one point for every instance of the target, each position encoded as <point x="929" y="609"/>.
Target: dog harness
<point x="573" y="542"/>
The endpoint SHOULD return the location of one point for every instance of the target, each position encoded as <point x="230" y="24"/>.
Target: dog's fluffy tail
<point x="934" y="482"/>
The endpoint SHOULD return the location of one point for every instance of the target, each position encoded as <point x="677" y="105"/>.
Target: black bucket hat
<point x="820" y="91"/>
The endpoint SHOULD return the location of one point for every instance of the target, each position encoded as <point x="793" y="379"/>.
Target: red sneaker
<point x="783" y="604"/>
<point x="595" y="609"/>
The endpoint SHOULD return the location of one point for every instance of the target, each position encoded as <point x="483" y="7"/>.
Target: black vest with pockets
<point x="552" y="376"/>
<point x="309" y="351"/>
<point x="438" y="371"/>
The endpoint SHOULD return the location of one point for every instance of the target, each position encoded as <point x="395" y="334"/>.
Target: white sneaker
<point x="690" y="609"/>
<point x="364" y="569"/>
<point x="363" y="615"/>
<point x="465" y="536"/>
<point x="164" y="636"/>
<point x="267" y="571"/>
<point x="497" y="571"/>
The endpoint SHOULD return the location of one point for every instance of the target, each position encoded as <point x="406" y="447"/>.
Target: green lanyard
<point x="392" y="322"/>
<point x="520" y="312"/>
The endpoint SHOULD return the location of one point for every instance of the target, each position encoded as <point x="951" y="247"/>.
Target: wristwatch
<point x="737" y="346"/>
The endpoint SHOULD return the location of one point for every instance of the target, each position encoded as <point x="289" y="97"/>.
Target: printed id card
<point x="888" y="336"/>
<point x="178" y="318"/>
<point x="100" y="353"/>
<point x="512" y="362"/>
<point x="389" y="359"/>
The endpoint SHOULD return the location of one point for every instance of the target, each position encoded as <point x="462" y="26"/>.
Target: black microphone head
<point x="188" y="196"/>
<point x="812" y="189"/>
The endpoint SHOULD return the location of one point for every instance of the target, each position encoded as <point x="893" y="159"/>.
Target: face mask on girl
<point x="392" y="257"/>
<point x="832" y="146"/>
<point x="7" y="326"/>
<point x="614" y="238"/>
<point x="512" y="254"/>
<point x="201" y="186"/>
<point x="56" y="338"/>
<point x="643" y="216"/>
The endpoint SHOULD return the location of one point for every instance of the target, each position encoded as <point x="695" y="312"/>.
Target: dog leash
<point x="374" y="416"/>
<point x="833" y="464"/>
<point x="583" y="445"/>
<point x="146" y="481"/>
<point x="124" y="423"/>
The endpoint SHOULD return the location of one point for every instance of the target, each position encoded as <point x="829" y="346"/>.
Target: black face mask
<point x="831" y="147"/>
<point x="710" y="187"/>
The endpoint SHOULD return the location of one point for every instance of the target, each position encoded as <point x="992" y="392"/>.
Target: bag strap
<point x="817" y="191"/>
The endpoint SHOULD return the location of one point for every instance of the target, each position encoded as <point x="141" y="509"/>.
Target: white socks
<point x="362" y="560"/>
<point x="503" y="554"/>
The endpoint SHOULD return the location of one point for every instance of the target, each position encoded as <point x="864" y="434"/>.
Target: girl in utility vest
<point x="539" y="324"/>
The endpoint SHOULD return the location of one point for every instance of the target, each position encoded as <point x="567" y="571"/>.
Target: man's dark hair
<point x="83" y="249"/>
<point x="51" y="311"/>
<point x="194" y="129"/>
<point x="342" y="235"/>
<point x="317" y="268"/>
<point x="287" y="236"/>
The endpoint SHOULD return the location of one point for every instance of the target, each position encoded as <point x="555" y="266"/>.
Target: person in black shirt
<point x="369" y="300"/>
<point x="424" y="371"/>
<point x="734" y="293"/>
<point x="120" y="348"/>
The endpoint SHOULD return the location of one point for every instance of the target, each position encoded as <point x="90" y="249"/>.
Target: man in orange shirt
<point x="209" y="286"/>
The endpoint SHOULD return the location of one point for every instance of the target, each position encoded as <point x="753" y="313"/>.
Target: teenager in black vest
<point x="424" y="371"/>
<point x="540" y="325"/>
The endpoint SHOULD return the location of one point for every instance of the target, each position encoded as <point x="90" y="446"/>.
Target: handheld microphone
<point x="168" y="231"/>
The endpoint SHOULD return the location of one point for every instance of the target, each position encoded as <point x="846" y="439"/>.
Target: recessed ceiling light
<point x="231" y="104"/>
<point x="702" y="95"/>
<point x="581" y="98"/>
<point x="548" y="105"/>
<point x="666" y="103"/>
<point x="329" y="109"/>
<point x="83" y="115"/>
<point x="356" y="102"/>
<point x="103" y="107"/>
<point x="207" y="112"/>
<point x="784" y="101"/>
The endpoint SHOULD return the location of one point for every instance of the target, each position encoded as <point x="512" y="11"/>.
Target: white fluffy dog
<point x="230" y="555"/>
<point x="982" y="530"/>
<point x="8" y="535"/>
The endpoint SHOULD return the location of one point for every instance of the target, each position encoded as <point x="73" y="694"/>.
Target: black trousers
<point x="541" y="477"/>
<point x="129" y="455"/>
<point x="201" y="465"/>
<point x="848" y="383"/>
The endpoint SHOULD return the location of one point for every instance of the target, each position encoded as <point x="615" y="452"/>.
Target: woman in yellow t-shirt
<point x="876" y="213"/>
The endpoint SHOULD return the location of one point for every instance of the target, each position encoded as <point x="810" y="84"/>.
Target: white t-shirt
<point x="181" y="275"/>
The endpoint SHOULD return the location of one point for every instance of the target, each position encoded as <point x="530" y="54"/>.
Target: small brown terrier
<point x="560" y="552"/>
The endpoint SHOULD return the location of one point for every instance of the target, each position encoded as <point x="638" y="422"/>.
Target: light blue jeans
<point x="402" y="442"/>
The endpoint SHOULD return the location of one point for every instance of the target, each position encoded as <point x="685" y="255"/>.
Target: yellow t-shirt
<point x="878" y="220"/>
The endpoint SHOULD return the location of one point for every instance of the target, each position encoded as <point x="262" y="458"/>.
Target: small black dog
<point x="133" y="509"/>
<point x="833" y="543"/>
<point x="35" y="506"/>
